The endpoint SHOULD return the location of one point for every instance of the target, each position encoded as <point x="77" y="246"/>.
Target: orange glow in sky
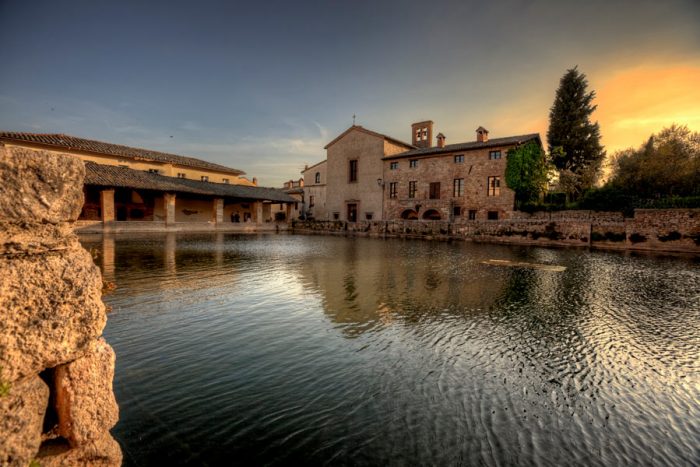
<point x="637" y="102"/>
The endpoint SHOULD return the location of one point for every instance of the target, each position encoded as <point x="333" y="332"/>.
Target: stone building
<point x="352" y="186"/>
<point x="463" y="181"/>
<point x="371" y="176"/>
<point x="129" y="187"/>
<point x="295" y="189"/>
<point x="315" y="178"/>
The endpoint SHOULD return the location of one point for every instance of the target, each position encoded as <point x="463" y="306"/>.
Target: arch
<point x="409" y="214"/>
<point x="431" y="215"/>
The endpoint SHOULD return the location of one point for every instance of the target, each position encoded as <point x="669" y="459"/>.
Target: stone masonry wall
<point x="56" y="400"/>
<point x="675" y="230"/>
<point x="474" y="170"/>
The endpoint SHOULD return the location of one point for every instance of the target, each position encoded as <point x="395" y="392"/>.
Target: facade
<point x="370" y="176"/>
<point x="353" y="176"/>
<point x="295" y="189"/>
<point x="464" y="181"/>
<point x="170" y="165"/>
<point x="315" y="179"/>
<point x="124" y="184"/>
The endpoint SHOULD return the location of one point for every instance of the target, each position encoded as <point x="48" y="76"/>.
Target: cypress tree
<point x="570" y="129"/>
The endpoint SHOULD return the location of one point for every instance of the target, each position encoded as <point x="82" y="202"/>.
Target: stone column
<point x="169" y="200"/>
<point x="259" y="212"/>
<point x="107" y="205"/>
<point x="218" y="211"/>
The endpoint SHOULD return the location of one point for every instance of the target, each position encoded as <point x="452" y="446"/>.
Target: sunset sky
<point x="263" y="86"/>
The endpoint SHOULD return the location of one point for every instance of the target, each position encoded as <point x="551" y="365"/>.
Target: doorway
<point x="352" y="212"/>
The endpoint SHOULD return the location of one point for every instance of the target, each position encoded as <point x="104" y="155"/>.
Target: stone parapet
<point x="56" y="399"/>
<point x="672" y="230"/>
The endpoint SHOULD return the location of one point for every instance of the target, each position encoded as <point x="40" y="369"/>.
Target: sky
<point x="263" y="86"/>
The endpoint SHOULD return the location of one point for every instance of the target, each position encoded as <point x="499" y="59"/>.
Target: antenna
<point x="353" y="119"/>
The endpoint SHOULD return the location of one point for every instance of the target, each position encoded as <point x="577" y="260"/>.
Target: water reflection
<point x="277" y="349"/>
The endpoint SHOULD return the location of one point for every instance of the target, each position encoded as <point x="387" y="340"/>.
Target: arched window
<point x="318" y="177"/>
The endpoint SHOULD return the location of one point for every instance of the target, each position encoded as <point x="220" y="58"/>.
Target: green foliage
<point x="526" y="172"/>
<point x="667" y="165"/>
<point x="609" y="198"/>
<point x="574" y="142"/>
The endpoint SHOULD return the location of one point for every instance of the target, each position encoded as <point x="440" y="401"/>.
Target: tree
<point x="571" y="130"/>
<point x="527" y="171"/>
<point x="667" y="164"/>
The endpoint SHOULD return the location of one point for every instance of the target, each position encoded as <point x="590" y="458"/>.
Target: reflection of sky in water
<point x="328" y="349"/>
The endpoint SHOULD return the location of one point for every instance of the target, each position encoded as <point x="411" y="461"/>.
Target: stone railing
<point x="56" y="400"/>
<point x="675" y="230"/>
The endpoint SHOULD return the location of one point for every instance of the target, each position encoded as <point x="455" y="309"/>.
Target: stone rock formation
<point x="56" y="400"/>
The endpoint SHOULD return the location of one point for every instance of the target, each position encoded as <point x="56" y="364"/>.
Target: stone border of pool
<point x="663" y="230"/>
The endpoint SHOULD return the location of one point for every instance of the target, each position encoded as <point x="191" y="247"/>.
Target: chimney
<point x="422" y="134"/>
<point x="441" y="140"/>
<point x="255" y="181"/>
<point x="482" y="134"/>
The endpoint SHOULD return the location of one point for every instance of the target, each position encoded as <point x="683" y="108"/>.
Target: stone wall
<point x="676" y="230"/>
<point x="56" y="400"/>
<point x="474" y="169"/>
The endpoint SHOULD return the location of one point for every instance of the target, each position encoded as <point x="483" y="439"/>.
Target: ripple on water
<point x="278" y="349"/>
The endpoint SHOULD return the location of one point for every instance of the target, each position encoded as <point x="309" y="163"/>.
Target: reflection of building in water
<point x="372" y="282"/>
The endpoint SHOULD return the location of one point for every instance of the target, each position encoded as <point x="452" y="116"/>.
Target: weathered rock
<point x="50" y="309"/>
<point x="21" y="419"/>
<point x="39" y="186"/>
<point x="85" y="402"/>
<point x="33" y="239"/>
<point x="102" y="452"/>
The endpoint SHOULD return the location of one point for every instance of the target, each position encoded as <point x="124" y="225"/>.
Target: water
<point x="326" y="350"/>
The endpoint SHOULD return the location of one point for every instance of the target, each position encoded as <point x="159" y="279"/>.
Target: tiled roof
<point x="369" y="132"/>
<point x="470" y="146"/>
<point x="99" y="147"/>
<point x="122" y="177"/>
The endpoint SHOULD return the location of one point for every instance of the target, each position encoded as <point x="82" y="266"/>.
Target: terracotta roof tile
<point x="122" y="177"/>
<point x="99" y="147"/>
<point x="469" y="146"/>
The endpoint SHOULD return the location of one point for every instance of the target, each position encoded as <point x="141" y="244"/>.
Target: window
<point x="181" y="175"/>
<point x="296" y="206"/>
<point x="318" y="177"/>
<point x="493" y="215"/>
<point x="456" y="211"/>
<point x="393" y="165"/>
<point x="494" y="155"/>
<point x="336" y="216"/>
<point x="123" y="166"/>
<point x="393" y="187"/>
<point x="418" y="134"/>
<point x="281" y="206"/>
<point x="205" y="178"/>
<point x="459" y="159"/>
<point x="369" y="215"/>
<point x="413" y="163"/>
<point x="352" y="176"/>
<point x="153" y="171"/>
<point x="226" y="180"/>
<point x="494" y="186"/>
<point x="435" y="190"/>
<point x="311" y="200"/>
<point x="472" y="214"/>
<point x="458" y="187"/>
<point x="412" y="189"/>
